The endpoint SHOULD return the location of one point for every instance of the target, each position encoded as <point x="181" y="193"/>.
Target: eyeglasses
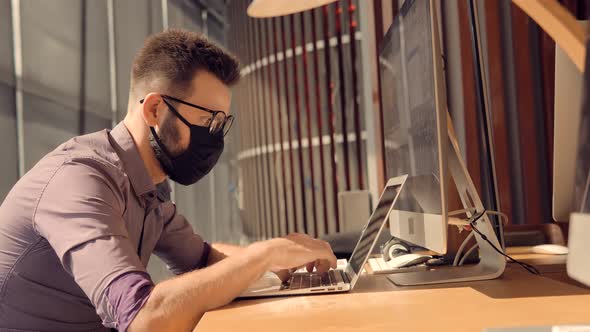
<point x="219" y="121"/>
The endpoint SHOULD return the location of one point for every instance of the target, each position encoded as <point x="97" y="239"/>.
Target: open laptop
<point x="338" y="280"/>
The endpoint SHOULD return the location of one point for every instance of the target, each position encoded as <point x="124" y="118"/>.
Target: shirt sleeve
<point x="179" y="247"/>
<point x="80" y="214"/>
<point x="129" y="292"/>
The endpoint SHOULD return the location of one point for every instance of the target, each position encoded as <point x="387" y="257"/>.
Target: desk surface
<point x="516" y="299"/>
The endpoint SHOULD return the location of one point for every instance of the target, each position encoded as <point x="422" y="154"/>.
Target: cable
<point x="503" y="216"/>
<point x="458" y="212"/>
<point x="469" y="237"/>
<point x="458" y="255"/>
<point x="526" y="266"/>
<point x="473" y="247"/>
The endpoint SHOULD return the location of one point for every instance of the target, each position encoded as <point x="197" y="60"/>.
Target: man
<point x="77" y="231"/>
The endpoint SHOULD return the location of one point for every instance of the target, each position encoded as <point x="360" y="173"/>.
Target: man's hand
<point x="221" y="251"/>
<point x="296" y="250"/>
<point x="214" y="286"/>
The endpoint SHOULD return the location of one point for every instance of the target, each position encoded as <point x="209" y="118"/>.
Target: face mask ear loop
<point x="160" y="148"/>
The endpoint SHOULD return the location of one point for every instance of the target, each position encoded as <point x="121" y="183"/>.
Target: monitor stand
<point x="491" y="263"/>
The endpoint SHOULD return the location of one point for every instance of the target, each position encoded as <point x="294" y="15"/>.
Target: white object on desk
<point x="411" y="263"/>
<point x="407" y="260"/>
<point x="571" y="328"/>
<point x="354" y="208"/>
<point x="578" y="264"/>
<point x="377" y="264"/>
<point x="550" y="249"/>
<point x="555" y="328"/>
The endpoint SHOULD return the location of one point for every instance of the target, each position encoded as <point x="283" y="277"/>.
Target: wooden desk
<point x="516" y="299"/>
<point x="544" y="262"/>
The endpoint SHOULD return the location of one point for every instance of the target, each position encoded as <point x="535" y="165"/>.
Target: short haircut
<point x="171" y="58"/>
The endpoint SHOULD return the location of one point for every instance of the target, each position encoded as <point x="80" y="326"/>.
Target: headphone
<point x="394" y="248"/>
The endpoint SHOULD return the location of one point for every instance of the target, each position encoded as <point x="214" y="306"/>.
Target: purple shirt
<point x="69" y="235"/>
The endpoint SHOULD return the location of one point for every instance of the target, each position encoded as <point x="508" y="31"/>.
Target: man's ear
<point x="151" y="109"/>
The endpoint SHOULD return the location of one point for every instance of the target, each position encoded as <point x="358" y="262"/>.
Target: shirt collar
<point x="134" y="165"/>
<point x="163" y="191"/>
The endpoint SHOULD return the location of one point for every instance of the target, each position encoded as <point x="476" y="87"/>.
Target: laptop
<point x="340" y="279"/>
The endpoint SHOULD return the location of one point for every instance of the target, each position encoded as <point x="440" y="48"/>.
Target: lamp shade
<point x="272" y="8"/>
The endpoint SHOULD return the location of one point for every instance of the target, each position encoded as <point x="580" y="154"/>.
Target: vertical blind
<point x="302" y="138"/>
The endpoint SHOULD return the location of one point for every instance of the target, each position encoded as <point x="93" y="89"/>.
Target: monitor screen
<point x="373" y="227"/>
<point x="409" y="109"/>
<point x="412" y="125"/>
<point x="582" y="187"/>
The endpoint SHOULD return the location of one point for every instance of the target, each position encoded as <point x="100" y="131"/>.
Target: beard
<point x="170" y="135"/>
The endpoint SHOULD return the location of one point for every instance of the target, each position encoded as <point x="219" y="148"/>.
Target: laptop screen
<point x="373" y="227"/>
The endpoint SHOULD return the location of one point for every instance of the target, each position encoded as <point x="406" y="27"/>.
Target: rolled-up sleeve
<point x="128" y="293"/>
<point x="179" y="247"/>
<point x="80" y="214"/>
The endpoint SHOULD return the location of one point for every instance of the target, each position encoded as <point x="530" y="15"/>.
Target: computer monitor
<point x="568" y="110"/>
<point x="415" y="126"/>
<point x="578" y="262"/>
<point x="571" y="159"/>
<point x="420" y="142"/>
<point x="582" y="187"/>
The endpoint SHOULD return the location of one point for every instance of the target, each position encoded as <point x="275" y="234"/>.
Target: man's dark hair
<point x="172" y="57"/>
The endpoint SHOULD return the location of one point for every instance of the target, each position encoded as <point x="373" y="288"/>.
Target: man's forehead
<point x="209" y="92"/>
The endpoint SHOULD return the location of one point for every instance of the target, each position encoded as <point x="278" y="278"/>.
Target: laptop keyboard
<point x="310" y="280"/>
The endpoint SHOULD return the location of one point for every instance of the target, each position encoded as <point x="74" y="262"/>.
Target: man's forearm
<point x="178" y="304"/>
<point x="219" y="251"/>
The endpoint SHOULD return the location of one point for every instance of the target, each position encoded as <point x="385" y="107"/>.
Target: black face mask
<point x="199" y="158"/>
